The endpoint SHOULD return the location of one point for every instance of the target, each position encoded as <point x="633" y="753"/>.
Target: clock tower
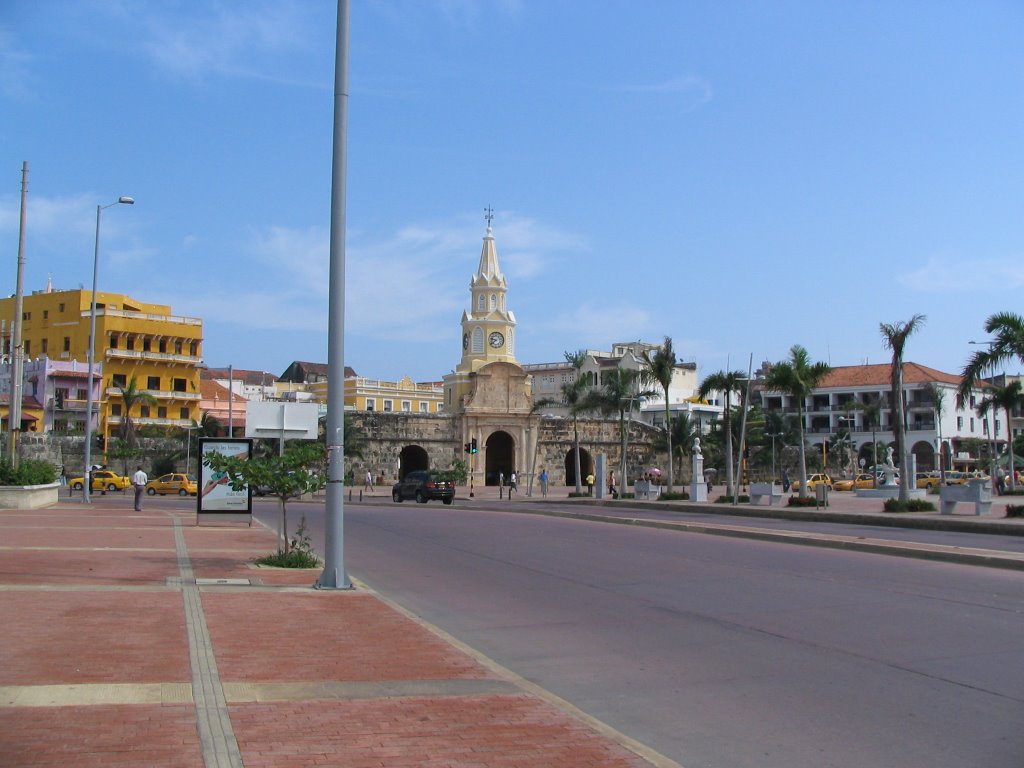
<point x="489" y="393"/>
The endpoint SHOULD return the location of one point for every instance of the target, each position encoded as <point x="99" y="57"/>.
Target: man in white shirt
<point x="139" y="480"/>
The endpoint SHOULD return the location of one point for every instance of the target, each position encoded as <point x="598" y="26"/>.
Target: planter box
<point x="28" y="496"/>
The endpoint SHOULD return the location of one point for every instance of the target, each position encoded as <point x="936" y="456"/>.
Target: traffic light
<point x="466" y="448"/>
<point x="472" y="446"/>
<point x="101" y="442"/>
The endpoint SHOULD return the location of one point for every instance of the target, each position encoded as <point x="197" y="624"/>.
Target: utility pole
<point x="17" y="351"/>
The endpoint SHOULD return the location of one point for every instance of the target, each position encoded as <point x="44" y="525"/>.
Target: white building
<point x="837" y="407"/>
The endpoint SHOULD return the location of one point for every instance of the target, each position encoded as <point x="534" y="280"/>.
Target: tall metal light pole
<point x="87" y="477"/>
<point x="334" y="575"/>
<point x="17" y="351"/>
<point x="773" y="435"/>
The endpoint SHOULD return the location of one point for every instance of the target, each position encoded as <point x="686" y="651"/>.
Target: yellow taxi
<point x="863" y="480"/>
<point x="928" y="481"/>
<point x="813" y="481"/>
<point x="176" y="482"/>
<point x="102" y="480"/>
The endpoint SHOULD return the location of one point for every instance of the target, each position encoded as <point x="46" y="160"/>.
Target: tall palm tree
<point x="938" y="398"/>
<point x="797" y="377"/>
<point x="726" y="382"/>
<point x="659" y="368"/>
<point x="872" y="413"/>
<point x="894" y="337"/>
<point x="130" y="396"/>
<point x="622" y="388"/>
<point x="1007" y="398"/>
<point x="1007" y="345"/>
<point x="574" y="395"/>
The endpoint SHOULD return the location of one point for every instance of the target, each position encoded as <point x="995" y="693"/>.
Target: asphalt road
<point x="717" y="651"/>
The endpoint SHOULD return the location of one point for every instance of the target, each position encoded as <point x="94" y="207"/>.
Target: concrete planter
<point x="28" y="496"/>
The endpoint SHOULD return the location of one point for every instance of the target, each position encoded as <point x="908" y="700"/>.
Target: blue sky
<point x="740" y="176"/>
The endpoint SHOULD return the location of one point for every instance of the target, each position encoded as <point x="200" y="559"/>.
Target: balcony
<point x="147" y="421"/>
<point x="153" y="357"/>
<point x="159" y="394"/>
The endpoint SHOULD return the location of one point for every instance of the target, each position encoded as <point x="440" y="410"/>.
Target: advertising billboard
<point x="216" y="499"/>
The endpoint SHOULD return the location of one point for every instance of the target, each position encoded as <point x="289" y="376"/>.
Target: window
<point x="371" y="404"/>
<point x="130" y="343"/>
<point x="179" y="385"/>
<point x="177" y="347"/>
<point x="81" y="394"/>
<point x="494" y="302"/>
<point x="163" y="346"/>
<point x="153" y="382"/>
<point x="26" y="315"/>
<point x="972" y="425"/>
<point x="67" y="343"/>
<point x="115" y="409"/>
<point x="60" y="307"/>
<point x="161" y="412"/>
<point x="424" y="407"/>
<point x="481" y="303"/>
<point x="193" y="348"/>
<point x="389" y="405"/>
<point x="478" y="341"/>
<point x="959" y="422"/>
<point x="147" y="344"/>
<point x="183" y="413"/>
<point x="406" y="406"/>
<point x="46" y="314"/>
<point x="144" y="411"/>
<point x="45" y="345"/>
<point x="114" y="340"/>
<point x="28" y="348"/>
<point x="119" y="380"/>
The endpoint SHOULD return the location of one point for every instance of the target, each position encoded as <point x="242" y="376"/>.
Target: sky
<point x="738" y="176"/>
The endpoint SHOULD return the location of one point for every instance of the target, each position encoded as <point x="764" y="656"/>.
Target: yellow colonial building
<point x="134" y="340"/>
<point x="405" y="396"/>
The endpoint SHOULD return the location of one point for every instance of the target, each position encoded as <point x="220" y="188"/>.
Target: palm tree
<point x="797" y="377"/>
<point x="574" y="395"/>
<point x="726" y="382"/>
<point x="872" y="412"/>
<point x="1007" y="398"/>
<point x="621" y="389"/>
<point x="894" y="336"/>
<point x="130" y="395"/>
<point x="1007" y="345"/>
<point x="659" y="368"/>
<point x="938" y="398"/>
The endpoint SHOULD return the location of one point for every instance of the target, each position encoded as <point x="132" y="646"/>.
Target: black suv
<point x="423" y="486"/>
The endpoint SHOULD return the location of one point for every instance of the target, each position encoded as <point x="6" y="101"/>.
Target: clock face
<point x="496" y="339"/>
<point x="465" y="341"/>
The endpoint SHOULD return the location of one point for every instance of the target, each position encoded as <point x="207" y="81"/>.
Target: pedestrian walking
<point x="139" y="480"/>
<point x="785" y="480"/>
<point x="368" y="484"/>
<point x="590" y="483"/>
<point x="543" y="481"/>
<point x="512" y="483"/>
<point x="611" y="485"/>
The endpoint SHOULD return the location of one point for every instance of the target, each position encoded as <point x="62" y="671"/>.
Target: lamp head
<point x="126" y="200"/>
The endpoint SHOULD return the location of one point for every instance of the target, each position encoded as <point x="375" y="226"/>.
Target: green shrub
<point x="1014" y="510"/>
<point x="29" y="472"/>
<point x="675" y="496"/>
<point x="299" y="555"/>
<point x="741" y="499"/>
<point x="911" y="505"/>
<point x="802" y="501"/>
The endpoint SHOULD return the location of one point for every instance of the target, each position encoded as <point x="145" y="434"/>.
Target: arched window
<point x="494" y="302"/>
<point x="481" y="303"/>
<point x="478" y="340"/>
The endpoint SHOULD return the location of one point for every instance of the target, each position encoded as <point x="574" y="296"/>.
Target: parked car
<point x="863" y="480"/>
<point x="102" y="480"/>
<point x="954" y="477"/>
<point x="813" y="481"/>
<point x="423" y="486"/>
<point x="928" y="481"/>
<point x="178" y="483"/>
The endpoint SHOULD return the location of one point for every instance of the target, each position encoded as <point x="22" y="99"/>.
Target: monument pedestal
<point x="698" y="487"/>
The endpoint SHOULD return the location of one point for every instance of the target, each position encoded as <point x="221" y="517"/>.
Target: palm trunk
<point x="728" y="444"/>
<point x="668" y="427"/>
<point x="1009" y="440"/>
<point x="803" y="454"/>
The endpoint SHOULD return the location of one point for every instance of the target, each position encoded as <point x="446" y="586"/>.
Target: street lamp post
<point x="87" y="477"/>
<point x="773" y="435"/>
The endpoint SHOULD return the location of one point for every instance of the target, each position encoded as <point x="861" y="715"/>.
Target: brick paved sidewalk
<point x="119" y="648"/>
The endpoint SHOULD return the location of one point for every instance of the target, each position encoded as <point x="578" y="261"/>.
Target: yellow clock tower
<point x="489" y="392"/>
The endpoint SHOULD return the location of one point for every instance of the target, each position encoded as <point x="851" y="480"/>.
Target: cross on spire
<point x="489" y="216"/>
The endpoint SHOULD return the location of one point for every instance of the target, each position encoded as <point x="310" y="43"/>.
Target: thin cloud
<point x="15" y="75"/>
<point x="942" y="274"/>
<point x="596" y="326"/>
<point x="694" y="91"/>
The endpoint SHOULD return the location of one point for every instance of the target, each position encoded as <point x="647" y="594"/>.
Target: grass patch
<point x="296" y="558"/>
<point x="741" y="499"/>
